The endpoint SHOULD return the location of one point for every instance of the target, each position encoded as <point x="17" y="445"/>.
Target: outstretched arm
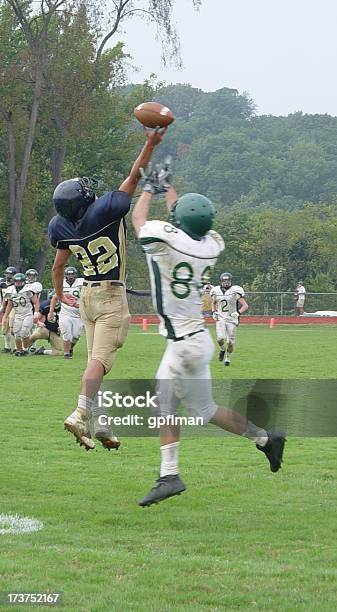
<point x="153" y="139"/>
<point x="141" y="211"/>
<point x="171" y="197"/>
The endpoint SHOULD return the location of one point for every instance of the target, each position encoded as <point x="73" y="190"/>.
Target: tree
<point x="25" y="64"/>
<point x="36" y="37"/>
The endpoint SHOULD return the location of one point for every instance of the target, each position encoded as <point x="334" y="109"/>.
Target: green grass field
<point x="240" y="537"/>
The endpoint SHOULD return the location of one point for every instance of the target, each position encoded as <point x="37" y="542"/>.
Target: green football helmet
<point x="194" y="214"/>
<point x="19" y="280"/>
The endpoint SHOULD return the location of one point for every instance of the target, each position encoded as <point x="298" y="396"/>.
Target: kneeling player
<point x="21" y="299"/>
<point x="47" y="330"/>
<point x="228" y="304"/>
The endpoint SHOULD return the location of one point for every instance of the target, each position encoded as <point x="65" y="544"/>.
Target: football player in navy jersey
<point x="93" y="229"/>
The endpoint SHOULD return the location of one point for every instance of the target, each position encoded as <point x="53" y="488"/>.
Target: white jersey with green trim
<point x="227" y="301"/>
<point x="21" y="300"/>
<point x="179" y="268"/>
<point x="74" y="290"/>
<point x="36" y="287"/>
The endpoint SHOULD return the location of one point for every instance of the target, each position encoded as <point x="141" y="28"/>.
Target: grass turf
<point x="239" y="538"/>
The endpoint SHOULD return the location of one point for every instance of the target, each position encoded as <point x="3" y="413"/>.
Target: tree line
<point x="66" y="109"/>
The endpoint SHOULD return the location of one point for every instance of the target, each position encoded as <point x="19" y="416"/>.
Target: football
<point x="153" y="114"/>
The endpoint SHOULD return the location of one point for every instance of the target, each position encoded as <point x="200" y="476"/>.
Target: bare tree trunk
<point x="16" y="208"/>
<point x="14" y="257"/>
<point x="58" y="156"/>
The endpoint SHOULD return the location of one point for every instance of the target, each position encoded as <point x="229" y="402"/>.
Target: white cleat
<point x="78" y="426"/>
<point x="227" y="362"/>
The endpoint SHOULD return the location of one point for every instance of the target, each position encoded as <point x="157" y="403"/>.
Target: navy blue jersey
<point x="44" y="310"/>
<point x="98" y="238"/>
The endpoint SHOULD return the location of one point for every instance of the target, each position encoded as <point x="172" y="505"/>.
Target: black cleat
<point x="221" y="355"/>
<point x="227" y="362"/>
<point x="67" y="356"/>
<point x="274" y="449"/>
<point x="165" y="487"/>
<point x="32" y="349"/>
<point x="6" y="350"/>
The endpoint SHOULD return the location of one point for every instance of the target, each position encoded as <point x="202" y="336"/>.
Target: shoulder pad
<point x="217" y="238"/>
<point x="155" y="235"/>
<point x="238" y="289"/>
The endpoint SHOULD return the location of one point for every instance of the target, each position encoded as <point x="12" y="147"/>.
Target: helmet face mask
<point x="226" y="280"/>
<point x="193" y="213"/>
<point x="32" y="275"/>
<point x="9" y="273"/>
<point x="72" y="198"/>
<point x="70" y="274"/>
<point x="19" y="281"/>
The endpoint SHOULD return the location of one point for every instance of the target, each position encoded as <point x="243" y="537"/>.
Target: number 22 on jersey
<point x="107" y="256"/>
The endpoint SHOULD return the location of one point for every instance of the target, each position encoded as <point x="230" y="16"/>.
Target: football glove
<point x="156" y="180"/>
<point x="236" y="318"/>
<point x="215" y="316"/>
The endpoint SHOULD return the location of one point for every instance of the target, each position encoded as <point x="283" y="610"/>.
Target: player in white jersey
<point x="228" y="304"/>
<point x="35" y="285"/>
<point x="180" y="255"/>
<point x="7" y="327"/>
<point x="32" y="280"/>
<point x="21" y="299"/>
<point x="70" y="322"/>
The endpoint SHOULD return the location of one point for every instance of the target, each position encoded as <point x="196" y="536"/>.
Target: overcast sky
<point x="283" y="52"/>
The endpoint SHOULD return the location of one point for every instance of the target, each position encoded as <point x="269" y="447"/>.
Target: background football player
<point x="7" y="326"/>
<point x="20" y="300"/>
<point x="93" y="229"/>
<point x="228" y="304"/>
<point x="70" y="322"/>
<point x="180" y="256"/>
<point x="47" y="328"/>
<point x="32" y="276"/>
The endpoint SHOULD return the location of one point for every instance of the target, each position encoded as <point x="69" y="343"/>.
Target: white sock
<point x="7" y="341"/>
<point x="48" y="352"/>
<point x="85" y="404"/>
<point x="256" y="434"/>
<point x="169" y="459"/>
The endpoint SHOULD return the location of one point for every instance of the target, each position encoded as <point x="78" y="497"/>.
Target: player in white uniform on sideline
<point x="180" y="255"/>
<point x="35" y="285"/>
<point x="32" y="280"/>
<point x="228" y="304"/>
<point x="7" y="326"/>
<point x="21" y="299"/>
<point x="70" y="322"/>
